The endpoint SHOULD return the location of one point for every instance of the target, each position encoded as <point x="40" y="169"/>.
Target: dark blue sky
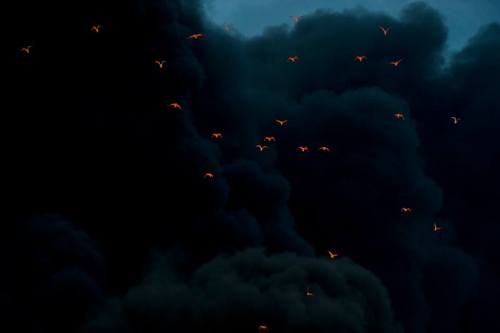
<point x="464" y="17"/>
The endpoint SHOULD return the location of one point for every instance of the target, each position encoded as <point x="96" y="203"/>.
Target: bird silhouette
<point x="385" y="30"/>
<point x="455" y="120"/>
<point x="269" y="139"/>
<point x="195" y="36"/>
<point x="360" y="58"/>
<point x="309" y="293"/>
<point x="261" y="148"/>
<point x="208" y="175"/>
<point x="303" y="149"/>
<point x="263" y="328"/>
<point x="406" y="210"/>
<point x="160" y="63"/>
<point x="395" y="63"/>
<point x="175" y="105"/>
<point x="293" y="59"/>
<point x="333" y="255"/>
<point x="436" y="228"/>
<point x="96" y="28"/>
<point x="281" y="122"/>
<point x="399" y="116"/>
<point x="324" y="149"/>
<point x="26" y="49"/>
<point x="216" y="135"/>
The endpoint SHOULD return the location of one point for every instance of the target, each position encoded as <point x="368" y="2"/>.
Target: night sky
<point x="219" y="167"/>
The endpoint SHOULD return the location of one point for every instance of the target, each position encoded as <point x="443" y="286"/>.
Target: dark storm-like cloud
<point x="248" y="289"/>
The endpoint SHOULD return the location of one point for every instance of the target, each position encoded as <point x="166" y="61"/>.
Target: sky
<point x="163" y="174"/>
<point x="463" y="17"/>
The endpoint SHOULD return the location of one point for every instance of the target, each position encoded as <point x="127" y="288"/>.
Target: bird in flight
<point x="455" y="120"/>
<point x="26" y="49"/>
<point x="399" y="116"/>
<point x="261" y="148"/>
<point x="395" y="63"/>
<point x="360" y="58"/>
<point x="303" y="149"/>
<point x="293" y="59"/>
<point x="309" y="293"/>
<point x="269" y="139"/>
<point x="96" y="28"/>
<point x="297" y="18"/>
<point x="175" y="105"/>
<point x="216" y="135"/>
<point x="195" y="36"/>
<point x="385" y="31"/>
<point x="160" y="63"/>
<point x="333" y="254"/>
<point x="406" y="210"/>
<point x="263" y="328"/>
<point x="281" y="122"/>
<point x="436" y="228"/>
<point x="324" y="149"/>
<point x="208" y="175"/>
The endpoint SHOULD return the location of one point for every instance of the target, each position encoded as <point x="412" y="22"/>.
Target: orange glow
<point x="175" y="105"/>
<point x="26" y="49"/>
<point x="324" y="149"/>
<point x="294" y="58"/>
<point x="195" y="36"/>
<point x="360" y="58"/>
<point x="385" y="31"/>
<point x="216" y="135"/>
<point x="261" y="148"/>
<point x="208" y="175"/>
<point x="303" y="149"/>
<point x="399" y="116"/>
<point x="263" y="328"/>
<point x="395" y="63"/>
<point x="333" y="254"/>
<point x="96" y="28"/>
<point x="281" y="122"/>
<point x="269" y="139"/>
<point x="160" y="63"/>
<point x="406" y="210"/>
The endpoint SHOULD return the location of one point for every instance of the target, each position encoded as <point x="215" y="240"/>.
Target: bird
<point x="26" y="49"/>
<point x="406" y="210"/>
<point x="395" y="63"/>
<point x="296" y="18"/>
<point x="333" y="254"/>
<point x="280" y="122"/>
<point x="160" y="63"/>
<point x="208" y="175"/>
<point x="324" y="149"/>
<point x="261" y="148"/>
<point x="436" y="228"/>
<point x="269" y="139"/>
<point x="455" y="120"/>
<point x="293" y="59"/>
<point x="195" y="36"/>
<point x="216" y="135"/>
<point x="175" y="105"/>
<point x="399" y="116"/>
<point x="309" y="293"/>
<point x="228" y="27"/>
<point x="303" y="149"/>
<point x="96" y="28"/>
<point x="263" y="328"/>
<point x="360" y="58"/>
<point x="385" y="30"/>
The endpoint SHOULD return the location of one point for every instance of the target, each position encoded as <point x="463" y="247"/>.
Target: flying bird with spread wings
<point x="385" y="31"/>
<point x="303" y="149"/>
<point x="360" y="58"/>
<point x="26" y="49"/>
<point x="209" y="175"/>
<point x="96" y="28"/>
<point x="280" y="122"/>
<point x="395" y="63"/>
<point x="406" y="210"/>
<point x="263" y="329"/>
<point x="293" y="59"/>
<point x="160" y="63"/>
<point x="399" y="116"/>
<point x="324" y="149"/>
<point x="216" y="136"/>
<point x="196" y="36"/>
<point x="269" y="139"/>
<point x="175" y="105"/>
<point x="261" y="148"/>
<point x="333" y="255"/>
<point x="455" y="120"/>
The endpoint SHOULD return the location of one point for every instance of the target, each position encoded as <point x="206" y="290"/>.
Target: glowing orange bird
<point x="309" y="293"/>
<point x="455" y="120"/>
<point x="406" y="210"/>
<point x="263" y="328"/>
<point x="269" y="139"/>
<point x="216" y="135"/>
<point x="160" y="63"/>
<point x="436" y="228"/>
<point x="261" y="148"/>
<point x="96" y="28"/>
<point x="360" y="58"/>
<point x="333" y="255"/>
<point x="293" y="58"/>
<point x="281" y="122"/>
<point x="208" y="175"/>
<point x="195" y="36"/>
<point x="296" y="18"/>
<point x="395" y="63"/>
<point x="385" y="30"/>
<point x="324" y="149"/>
<point x="399" y="116"/>
<point x="175" y="105"/>
<point x="303" y="149"/>
<point x="26" y="49"/>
